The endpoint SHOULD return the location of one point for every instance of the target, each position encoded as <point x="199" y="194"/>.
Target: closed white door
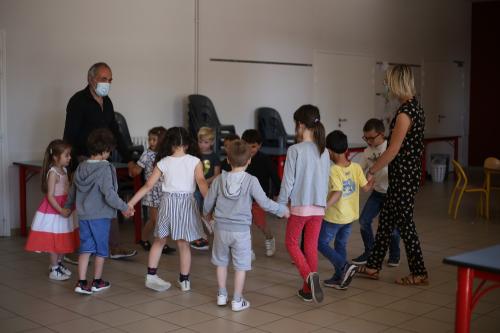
<point x="344" y="91"/>
<point x="443" y="98"/>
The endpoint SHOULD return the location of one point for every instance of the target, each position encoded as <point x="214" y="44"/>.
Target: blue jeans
<point x="94" y="236"/>
<point x="338" y="254"/>
<point x="372" y="208"/>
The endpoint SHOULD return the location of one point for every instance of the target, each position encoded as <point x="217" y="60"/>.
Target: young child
<point x="232" y="193"/>
<point x="343" y="208"/>
<point x="152" y="199"/>
<point x="373" y="134"/>
<point x="52" y="231"/>
<point x="211" y="169"/>
<point x="94" y="190"/>
<point x="178" y="216"/>
<point x="224" y="165"/>
<point x="305" y="183"/>
<point x="262" y="167"/>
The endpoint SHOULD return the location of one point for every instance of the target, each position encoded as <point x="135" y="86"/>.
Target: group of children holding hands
<point x="187" y="183"/>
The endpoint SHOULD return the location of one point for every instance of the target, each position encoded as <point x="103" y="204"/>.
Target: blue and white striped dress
<point x="178" y="216"/>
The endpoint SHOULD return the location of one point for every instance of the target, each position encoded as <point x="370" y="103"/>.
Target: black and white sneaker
<point x="349" y="272"/>
<point x="83" y="288"/>
<point x="306" y="297"/>
<point x="314" y="285"/>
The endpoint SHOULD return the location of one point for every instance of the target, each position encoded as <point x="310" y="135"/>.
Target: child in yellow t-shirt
<point x="346" y="178"/>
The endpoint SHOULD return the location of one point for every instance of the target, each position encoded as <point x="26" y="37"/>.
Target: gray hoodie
<point x="95" y="191"/>
<point x="232" y="194"/>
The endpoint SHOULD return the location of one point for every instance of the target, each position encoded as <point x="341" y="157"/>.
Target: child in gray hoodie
<point x="232" y="194"/>
<point x="94" y="191"/>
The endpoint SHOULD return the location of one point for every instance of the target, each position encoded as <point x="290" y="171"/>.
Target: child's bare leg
<point x="147" y="231"/>
<point x="98" y="267"/>
<point x="222" y="278"/>
<point x="155" y="252"/>
<point x="60" y="257"/>
<point x="239" y="283"/>
<point x="54" y="259"/>
<point x="83" y="262"/>
<point x="185" y="256"/>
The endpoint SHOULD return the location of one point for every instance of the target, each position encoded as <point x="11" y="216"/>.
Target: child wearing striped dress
<point x="178" y="216"/>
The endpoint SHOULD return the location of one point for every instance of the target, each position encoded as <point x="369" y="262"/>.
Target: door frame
<point x="4" y="168"/>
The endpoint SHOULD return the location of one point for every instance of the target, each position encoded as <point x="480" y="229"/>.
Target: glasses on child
<point x="371" y="138"/>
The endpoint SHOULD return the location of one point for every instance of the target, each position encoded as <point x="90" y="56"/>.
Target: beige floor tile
<point x="17" y="324"/>
<point x="374" y="298"/>
<point x="156" y="307"/>
<point x="119" y="317"/>
<point x="387" y="317"/>
<point x="58" y="315"/>
<point x="485" y="324"/>
<point x="150" y="325"/>
<point x="252" y="317"/>
<point x="186" y="317"/>
<point x="283" y="308"/>
<point x="432" y="298"/>
<point x="356" y="325"/>
<point x="280" y="291"/>
<point x="258" y="299"/>
<point x="348" y="307"/>
<point x="289" y="325"/>
<point x="91" y="307"/>
<point x="110" y="330"/>
<point x="4" y="314"/>
<point x="130" y="299"/>
<point x="396" y="330"/>
<point x="82" y="325"/>
<point x="190" y="299"/>
<point x="218" y="325"/>
<point x="321" y="317"/>
<point x="411" y="307"/>
<point x="426" y="325"/>
<point x="213" y="309"/>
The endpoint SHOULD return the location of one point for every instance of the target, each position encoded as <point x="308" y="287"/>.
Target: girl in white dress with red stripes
<point x="52" y="230"/>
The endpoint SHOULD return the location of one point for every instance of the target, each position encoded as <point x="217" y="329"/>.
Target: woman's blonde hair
<point x="206" y="133"/>
<point x="400" y="81"/>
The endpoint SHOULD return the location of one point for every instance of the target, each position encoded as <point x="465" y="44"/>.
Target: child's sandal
<point x="363" y="272"/>
<point x="413" y="280"/>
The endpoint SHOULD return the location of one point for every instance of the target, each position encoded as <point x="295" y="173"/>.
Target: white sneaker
<point x="184" y="285"/>
<point x="221" y="299"/>
<point x="241" y="305"/>
<point x="156" y="283"/>
<point x="253" y="256"/>
<point x="57" y="274"/>
<point x="64" y="269"/>
<point x="270" y="247"/>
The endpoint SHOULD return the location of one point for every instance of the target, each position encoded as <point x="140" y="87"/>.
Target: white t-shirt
<point x="178" y="173"/>
<point x="368" y="158"/>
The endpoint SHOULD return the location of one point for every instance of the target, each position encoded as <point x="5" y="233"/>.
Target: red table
<point x="482" y="264"/>
<point x="30" y="168"/>
<point x="450" y="139"/>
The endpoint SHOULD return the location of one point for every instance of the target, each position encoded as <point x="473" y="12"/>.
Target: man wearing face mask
<point x="87" y="110"/>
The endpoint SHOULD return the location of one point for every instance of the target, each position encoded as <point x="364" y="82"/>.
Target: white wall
<point x="52" y="43"/>
<point x="150" y="47"/>
<point x="289" y="31"/>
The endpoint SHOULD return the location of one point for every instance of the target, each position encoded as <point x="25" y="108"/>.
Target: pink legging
<point x="306" y="262"/>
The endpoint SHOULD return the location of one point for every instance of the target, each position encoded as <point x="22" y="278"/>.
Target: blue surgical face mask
<point x="102" y="89"/>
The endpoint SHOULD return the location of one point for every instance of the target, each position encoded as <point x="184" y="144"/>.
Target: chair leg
<point x="487" y="196"/>
<point x="452" y="199"/>
<point x="458" y="202"/>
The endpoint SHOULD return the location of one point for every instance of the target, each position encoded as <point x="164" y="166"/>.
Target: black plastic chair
<point x="201" y="112"/>
<point x="135" y="150"/>
<point x="271" y="128"/>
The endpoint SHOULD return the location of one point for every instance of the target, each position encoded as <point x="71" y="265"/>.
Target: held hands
<point x="129" y="212"/>
<point x="66" y="212"/>
<point x="287" y="213"/>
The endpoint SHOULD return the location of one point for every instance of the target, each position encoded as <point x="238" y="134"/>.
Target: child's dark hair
<point x="176" y="137"/>
<point x="231" y="137"/>
<point x="238" y="154"/>
<point x="251" y="136"/>
<point x="160" y="133"/>
<point x="336" y="141"/>
<point x="374" y="124"/>
<point x="100" y="141"/>
<point x="309" y="116"/>
<point x="54" y="149"/>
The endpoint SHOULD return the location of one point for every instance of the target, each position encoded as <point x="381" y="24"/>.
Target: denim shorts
<point x="94" y="236"/>
<point x="235" y="245"/>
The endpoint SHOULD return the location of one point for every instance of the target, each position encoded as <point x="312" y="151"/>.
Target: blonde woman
<point x="403" y="157"/>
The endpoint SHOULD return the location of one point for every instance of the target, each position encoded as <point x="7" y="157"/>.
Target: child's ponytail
<point x="54" y="149"/>
<point x="309" y="116"/>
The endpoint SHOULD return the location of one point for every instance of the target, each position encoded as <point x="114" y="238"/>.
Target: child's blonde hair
<point x="206" y="133"/>
<point x="400" y="81"/>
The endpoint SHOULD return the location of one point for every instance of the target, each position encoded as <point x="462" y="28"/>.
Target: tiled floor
<point x="29" y="302"/>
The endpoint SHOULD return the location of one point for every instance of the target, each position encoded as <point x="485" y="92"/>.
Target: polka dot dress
<point x="404" y="181"/>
